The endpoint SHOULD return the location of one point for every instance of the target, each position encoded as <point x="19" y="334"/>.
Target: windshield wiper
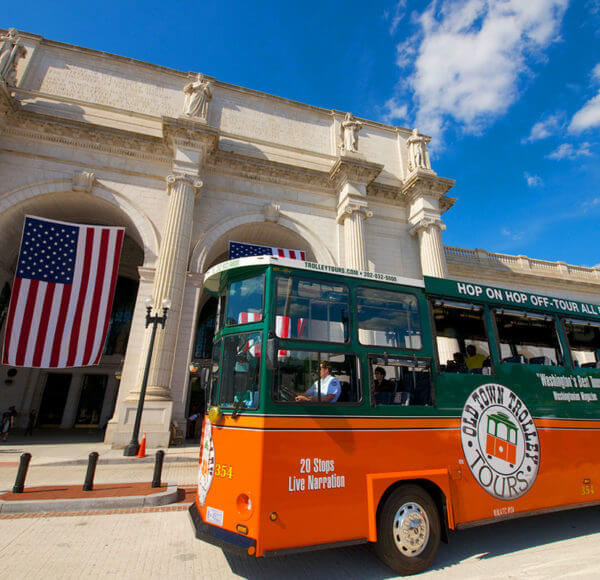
<point x="237" y="407"/>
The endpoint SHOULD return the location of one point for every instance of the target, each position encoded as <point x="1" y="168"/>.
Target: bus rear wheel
<point x="408" y="530"/>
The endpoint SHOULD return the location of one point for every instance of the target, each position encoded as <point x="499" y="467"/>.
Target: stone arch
<point x="203" y="252"/>
<point x="143" y="231"/>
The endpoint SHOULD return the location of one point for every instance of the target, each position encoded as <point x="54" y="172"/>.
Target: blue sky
<point x="509" y="90"/>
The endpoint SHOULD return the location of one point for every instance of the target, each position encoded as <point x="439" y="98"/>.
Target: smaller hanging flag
<point x="243" y="250"/>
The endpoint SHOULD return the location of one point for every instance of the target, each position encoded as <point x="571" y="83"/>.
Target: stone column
<point x="425" y="193"/>
<point x="351" y="175"/>
<point x="431" y="248"/>
<point x="169" y="280"/>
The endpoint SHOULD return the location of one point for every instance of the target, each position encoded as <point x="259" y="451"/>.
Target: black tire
<point x="412" y="553"/>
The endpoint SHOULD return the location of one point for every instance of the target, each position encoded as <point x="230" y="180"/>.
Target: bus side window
<point x="397" y="381"/>
<point x="298" y="377"/>
<point x="527" y="338"/>
<point x="461" y="338"/>
<point x="584" y="342"/>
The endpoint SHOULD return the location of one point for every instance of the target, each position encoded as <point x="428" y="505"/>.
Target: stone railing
<point x="520" y="264"/>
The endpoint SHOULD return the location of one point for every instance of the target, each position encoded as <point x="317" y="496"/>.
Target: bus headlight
<point x="214" y="414"/>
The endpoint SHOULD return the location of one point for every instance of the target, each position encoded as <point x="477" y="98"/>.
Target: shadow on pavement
<point x="483" y="542"/>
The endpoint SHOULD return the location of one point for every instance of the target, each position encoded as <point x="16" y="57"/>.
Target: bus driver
<point x="330" y="387"/>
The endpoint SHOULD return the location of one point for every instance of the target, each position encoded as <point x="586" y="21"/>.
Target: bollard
<point x="158" y="465"/>
<point x="22" y="473"/>
<point x="88" y="484"/>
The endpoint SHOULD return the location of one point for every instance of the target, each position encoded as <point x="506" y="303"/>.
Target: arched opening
<point x="78" y="397"/>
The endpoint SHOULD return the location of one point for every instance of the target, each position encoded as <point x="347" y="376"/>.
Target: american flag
<point x="62" y="295"/>
<point x="283" y="327"/>
<point x="243" y="250"/>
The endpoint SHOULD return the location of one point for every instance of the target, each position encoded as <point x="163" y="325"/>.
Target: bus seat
<point x="591" y="365"/>
<point x="346" y="396"/>
<point x="540" y="360"/>
<point x="515" y="359"/>
<point x="383" y="398"/>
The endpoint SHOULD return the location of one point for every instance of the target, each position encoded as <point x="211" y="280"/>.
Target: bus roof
<point x="212" y="277"/>
<point x="511" y="298"/>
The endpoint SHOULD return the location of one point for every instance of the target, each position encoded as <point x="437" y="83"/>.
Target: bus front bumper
<point x="225" y="539"/>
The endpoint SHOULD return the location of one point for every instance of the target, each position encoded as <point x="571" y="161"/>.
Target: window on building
<point x="240" y="370"/>
<point x="584" y="342"/>
<point x="311" y="310"/>
<point x="400" y="381"/>
<point x="461" y="338"/>
<point x="300" y="379"/>
<point x="527" y="338"/>
<point x="387" y="318"/>
<point x="245" y="301"/>
<point x="121" y="316"/>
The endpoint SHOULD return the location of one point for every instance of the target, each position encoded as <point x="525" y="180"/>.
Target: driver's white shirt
<point x="329" y="386"/>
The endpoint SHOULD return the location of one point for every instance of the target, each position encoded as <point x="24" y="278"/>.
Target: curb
<point x="168" y="496"/>
<point x="118" y="461"/>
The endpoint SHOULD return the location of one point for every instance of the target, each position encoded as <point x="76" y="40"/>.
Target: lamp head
<point x="166" y="303"/>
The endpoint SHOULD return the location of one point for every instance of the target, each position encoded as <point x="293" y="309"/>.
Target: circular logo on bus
<point x="500" y="441"/>
<point x="207" y="462"/>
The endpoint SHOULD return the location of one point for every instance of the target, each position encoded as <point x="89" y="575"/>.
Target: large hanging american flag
<point x="62" y="294"/>
<point x="243" y="250"/>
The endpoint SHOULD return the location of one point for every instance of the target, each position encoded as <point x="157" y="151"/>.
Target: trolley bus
<point x="348" y="407"/>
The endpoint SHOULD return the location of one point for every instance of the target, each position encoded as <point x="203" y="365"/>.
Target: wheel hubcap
<point x="411" y="529"/>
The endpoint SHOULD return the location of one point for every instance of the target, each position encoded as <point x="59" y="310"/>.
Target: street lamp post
<point x="134" y="445"/>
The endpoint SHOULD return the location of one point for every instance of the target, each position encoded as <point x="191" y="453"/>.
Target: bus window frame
<point x="218" y="344"/>
<point x="485" y="310"/>
<point x="387" y="347"/>
<point x="371" y="372"/>
<point x="535" y="314"/>
<point x="241" y="278"/>
<point x="563" y="327"/>
<point x="305" y="341"/>
<point x="322" y="404"/>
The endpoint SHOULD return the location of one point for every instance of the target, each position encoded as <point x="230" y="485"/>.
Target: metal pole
<point x="158" y="465"/>
<point x="22" y="473"/>
<point x="134" y="445"/>
<point x="88" y="484"/>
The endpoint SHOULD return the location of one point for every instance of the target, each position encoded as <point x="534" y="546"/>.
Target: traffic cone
<point x="142" y="449"/>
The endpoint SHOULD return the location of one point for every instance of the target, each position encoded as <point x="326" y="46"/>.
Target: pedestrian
<point x="31" y="422"/>
<point x="8" y="419"/>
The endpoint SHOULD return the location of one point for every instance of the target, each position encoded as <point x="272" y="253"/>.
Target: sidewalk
<point x="58" y="467"/>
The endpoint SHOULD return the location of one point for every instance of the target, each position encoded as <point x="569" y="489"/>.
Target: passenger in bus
<point x="381" y="384"/>
<point x="457" y="364"/>
<point x="474" y="360"/>
<point x="330" y="388"/>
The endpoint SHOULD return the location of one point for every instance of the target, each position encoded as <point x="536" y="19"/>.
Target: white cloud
<point x="394" y="111"/>
<point x="470" y="55"/>
<point x="568" y="151"/>
<point x="589" y="115"/>
<point x="512" y="235"/>
<point x="544" y="128"/>
<point x="395" y="15"/>
<point x="533" y="180"/>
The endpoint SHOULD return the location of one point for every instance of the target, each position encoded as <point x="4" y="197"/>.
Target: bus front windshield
<point x="240" y="370"/>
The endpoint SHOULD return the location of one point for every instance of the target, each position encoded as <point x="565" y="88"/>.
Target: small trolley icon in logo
<point x="500" y="441"/>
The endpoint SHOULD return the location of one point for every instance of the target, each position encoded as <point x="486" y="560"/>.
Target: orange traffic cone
<point x="142" y="449"/>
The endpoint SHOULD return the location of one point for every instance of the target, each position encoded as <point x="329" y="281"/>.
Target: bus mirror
<point x="271" y="354"/>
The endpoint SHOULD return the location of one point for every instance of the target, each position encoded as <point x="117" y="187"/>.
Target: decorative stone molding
<point x="350" y="169"/>
<point x="83" y="181"/>
<point x="174" y="178"/>
<point x="82" y="136"/>
<point x="421" y="182"/>
<point x="8" y="105"/>
<point x="353" y="207"/>
<point x="190" y="134"/>
<point x="272" y="212"/>
<point x="427" y="223"/>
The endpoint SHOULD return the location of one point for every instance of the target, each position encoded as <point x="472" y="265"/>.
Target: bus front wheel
<point x="408" y="530"/>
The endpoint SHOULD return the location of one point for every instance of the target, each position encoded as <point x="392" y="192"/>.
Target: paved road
<point x="161" y="544"/>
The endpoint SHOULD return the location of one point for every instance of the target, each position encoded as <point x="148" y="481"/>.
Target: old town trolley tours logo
<point x="207" y="463"/>
<point x="500" y="441"/>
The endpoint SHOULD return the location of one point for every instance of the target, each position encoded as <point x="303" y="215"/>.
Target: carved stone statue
<point x="350" y="129"/>
<point x="418" y="156"/>
<point x="197" y="96"/>
<point x="10" y="53"/>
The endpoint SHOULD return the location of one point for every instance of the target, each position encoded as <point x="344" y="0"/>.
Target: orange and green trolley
<point x="488" y="409"/>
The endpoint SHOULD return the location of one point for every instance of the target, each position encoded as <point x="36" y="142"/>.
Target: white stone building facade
<point x="187" y="163"/>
